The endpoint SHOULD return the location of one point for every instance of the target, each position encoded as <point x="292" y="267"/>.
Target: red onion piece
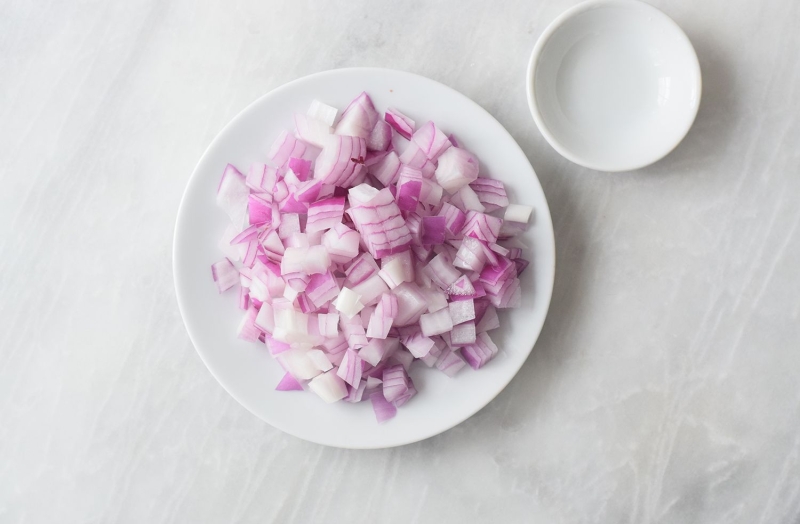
<point x="225" y="274"/>
<point x="400" y="122"/>
<point x="384" y="410"/>
<point x="431" y="140"/>
<point x="456" y="169"/>
<point x="380" y="138"/>
<point x="491" y="193"/>
<point x="359" y="118"/>
<point x="289" y="383"/>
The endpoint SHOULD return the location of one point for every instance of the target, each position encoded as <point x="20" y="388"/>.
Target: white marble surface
<point x="665" y="387"/>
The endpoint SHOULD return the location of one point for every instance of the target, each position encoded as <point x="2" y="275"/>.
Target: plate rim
<point x="546" y="292"/>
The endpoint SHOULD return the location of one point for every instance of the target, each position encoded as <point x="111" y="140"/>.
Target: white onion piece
<point x="322" y="112"/>
<point x="296" y="362"/>
<point x="328" y="324"/>
<point x="232" y="195"/>
<point x="462" y="311"/>
<point x="518" y="213"/>
<point x="319" y="359"/>
<point x="436" y="323"/>
<point x="348" y="302"/>
<point x="265" y="320"/>
<point x="393" y="273"/>
<point x="371" y="289"/>
<point x="329" y="387"/>
<point x="456" y="168"/>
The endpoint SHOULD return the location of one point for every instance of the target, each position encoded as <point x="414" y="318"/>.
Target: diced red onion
<point x="461" y="311"/>
<point x="296" y="362"/>
<point x="380" y="137"/>
<point x="351" y="368"/>
<point x="413" y="156"/>
<point x="262" y="178"/>
<point x="332" y="286"/>
<point x="289" y="383"/>
<point x="463" y="334"/>
<point x="360" y="269"/>
<point x="518" y="213"/>
<point x="225" y="274"/>
<point x="410" y="303"/>
<point x="431" y="140"/>
<point x="435" y="298"/>
<point x="479" y="353"/>
<point x="329" y="387"/>
<point x="450" y="362"/>
<point x="408" y="192"/>
<point x="454" y="218"/>
<point x="335" y="346"/>
<point x="225" y="243"/>
<point x="521" y="264"/>
<point x="491" y="193"/>
<point x="456" y="168"/>
<point x="232" y="194"/>
<point x="403" y="357"/>
<point x="284" y="147"/>
<point x="311" y="130"/>
<point x="380" y="223"/>
<point x="374" y="351"/>
<point x="384" y="410"/>
<point x="290" y="223"/>
<point x="406" y="265"/>
<point x="386" y="169"/>
<point x="371" y="289"/>
<point x="322" y="112"/>
<point x="356" y="394"/>
<point x="359" y="118"/>
<point x="319" y="359"/>
<point x="383" y="317"/>
<point x="395" y="382"/>
<point x="325" y="214"/>
<point x="435" y="324"/>
<point x="481" y="226"/>
<point x="462" y="288"/>
<point x="341" y="243"/>
<point x="348" y="303"/>
<point x="259" y="210"/>
<point x="467" y="199"/>
<point x="405" y="397"/>
<point x="433" y="230"/>
<point x="341" y="158"/>
<point x="250" y="255"/>
<point x="441" y="271"/>
<point x="400" y="122"/>
<point x="244" y="298"/>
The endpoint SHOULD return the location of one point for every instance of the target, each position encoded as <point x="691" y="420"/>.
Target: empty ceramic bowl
<point x="613" y="85"/>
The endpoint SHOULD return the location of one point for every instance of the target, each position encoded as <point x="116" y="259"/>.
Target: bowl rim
<point x="692" y="63"/>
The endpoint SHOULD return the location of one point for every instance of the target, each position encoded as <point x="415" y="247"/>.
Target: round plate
<point x="248" y="372"/>
<point x="614" y="85"/>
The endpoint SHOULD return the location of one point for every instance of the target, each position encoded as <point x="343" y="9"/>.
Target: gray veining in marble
<point x="665" y="387"/>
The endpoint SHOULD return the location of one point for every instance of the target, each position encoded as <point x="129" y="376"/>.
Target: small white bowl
<point x="613" y="85"/>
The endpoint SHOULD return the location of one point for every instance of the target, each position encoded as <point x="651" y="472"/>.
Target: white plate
<point x="614" y="85"/>
<point x="247" y="371"/>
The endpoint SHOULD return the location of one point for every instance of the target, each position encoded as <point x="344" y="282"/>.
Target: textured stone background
<point x="664" y="388"/>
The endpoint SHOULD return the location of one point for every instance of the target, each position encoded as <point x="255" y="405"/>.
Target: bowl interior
<point x="616" y="85"/>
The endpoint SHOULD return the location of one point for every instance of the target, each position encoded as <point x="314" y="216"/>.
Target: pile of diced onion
<point x="365" y="244"/>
